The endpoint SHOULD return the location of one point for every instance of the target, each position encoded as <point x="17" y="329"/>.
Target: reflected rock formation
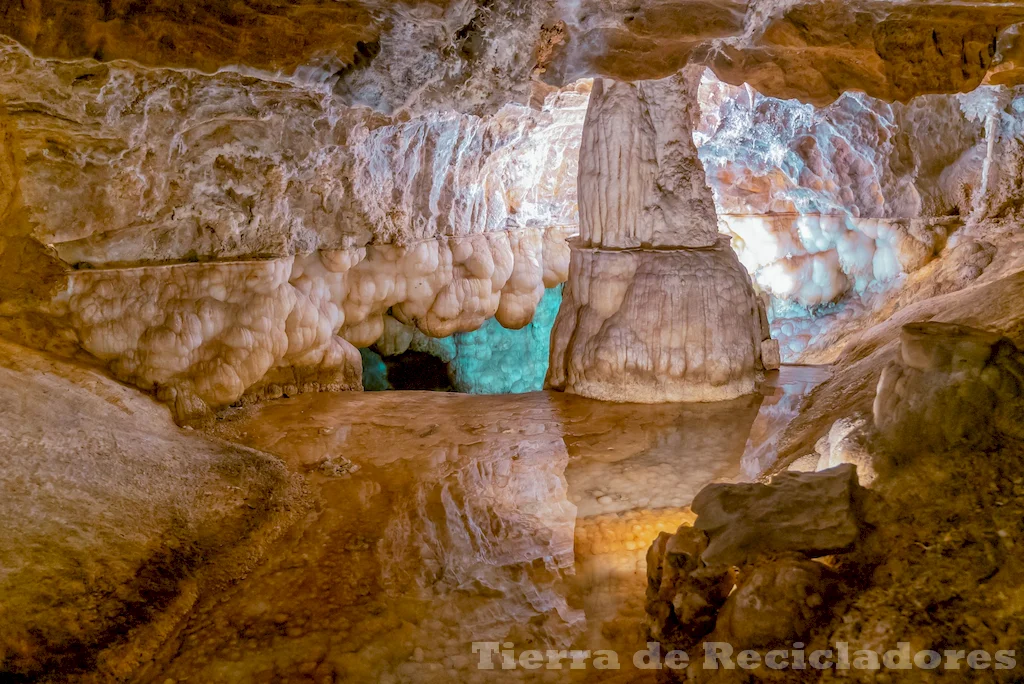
<point x="447" y="523"/>
<point x="444" y="519"/>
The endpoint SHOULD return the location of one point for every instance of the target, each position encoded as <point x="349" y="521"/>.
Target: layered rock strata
<point x="475" y="53"/>
<point x="657" y="306"/>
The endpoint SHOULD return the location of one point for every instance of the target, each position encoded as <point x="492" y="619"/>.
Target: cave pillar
<point x="657" y="307"/>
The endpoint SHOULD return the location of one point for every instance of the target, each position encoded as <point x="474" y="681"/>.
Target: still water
<point x="446" y="519"/>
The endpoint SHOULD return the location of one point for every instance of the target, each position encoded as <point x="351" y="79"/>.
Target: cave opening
<point x="414" y="370"/>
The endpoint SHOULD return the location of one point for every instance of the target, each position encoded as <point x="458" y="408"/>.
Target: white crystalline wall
<point x="831" y="208"/>
<point x="204" y="335"/>
<point x="239" y="234"/>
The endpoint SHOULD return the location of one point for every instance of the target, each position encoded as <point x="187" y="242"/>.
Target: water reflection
<point x="783" y="393"/>
<point x="519" y="519"/>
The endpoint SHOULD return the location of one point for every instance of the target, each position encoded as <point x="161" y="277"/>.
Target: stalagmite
<point x="658" y="307"/>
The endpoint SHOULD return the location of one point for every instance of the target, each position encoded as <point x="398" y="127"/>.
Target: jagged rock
<point x="951" y="385"/>
<point x="810" y="513"/>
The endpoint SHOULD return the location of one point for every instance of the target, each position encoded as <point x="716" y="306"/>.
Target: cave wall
<point x="217" y="237"/>
<point x="834" y="209"/>
<point x="221" y="200"/>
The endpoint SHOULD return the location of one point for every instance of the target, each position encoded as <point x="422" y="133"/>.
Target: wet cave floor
<point x="445" y="519"/>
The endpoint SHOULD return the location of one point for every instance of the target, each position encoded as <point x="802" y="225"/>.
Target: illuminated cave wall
<point x="489" y="360"/>
<point x="831" y="208"/>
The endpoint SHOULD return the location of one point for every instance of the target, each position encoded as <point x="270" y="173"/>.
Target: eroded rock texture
<point x="811" y="513"/>
<point x="813" y="51"/>
<point x="743" y="573"/>
<point x="657" y="307"/>
<point x="831" y="208"/>
<point x="119" y="164"/>
<point x="477" y="55"/>
<point x="651" y="326"/>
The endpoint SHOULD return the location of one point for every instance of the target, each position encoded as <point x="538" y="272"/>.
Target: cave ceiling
<point x="478" y="52"/>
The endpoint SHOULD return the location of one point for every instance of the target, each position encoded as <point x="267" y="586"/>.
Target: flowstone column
<point x="658" y="307"/>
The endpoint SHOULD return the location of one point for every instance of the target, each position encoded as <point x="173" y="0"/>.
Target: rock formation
<point x="831" y="208"/>
<point x="117" y="519"/>
<point x="743" y="573"/>
<point x="812" y="513"/>
<point x="215" y="202"/>
<point x="657" y="307"/>
<point x="219" y="237"/>
<point x="951" y="386"/>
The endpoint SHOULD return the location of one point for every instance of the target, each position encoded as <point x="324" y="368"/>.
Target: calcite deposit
<point x="310" y="221"/>
<point x="493" y="359"/>
<point x="657" y="307"/>
<point x="203" y="335"/>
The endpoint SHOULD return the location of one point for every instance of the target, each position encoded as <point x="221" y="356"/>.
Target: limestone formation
<point x="683" y="594"/>
<point x="460" y="54"/>
<point x="115" y="519"/>
<point x="118" y="165"/>
<point x="218" y="237"/>
<point x="657" y="307"/>
<point x="832" y="208"/>
<point x="815" y="514"/>
<point x="640" y="181"/>
<point x="951" y="386"/>
<point x="203" y="335"/>
<point x="812" y="51"/>
<point x="652" y="326"/>
<point x="213" y="202"/>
